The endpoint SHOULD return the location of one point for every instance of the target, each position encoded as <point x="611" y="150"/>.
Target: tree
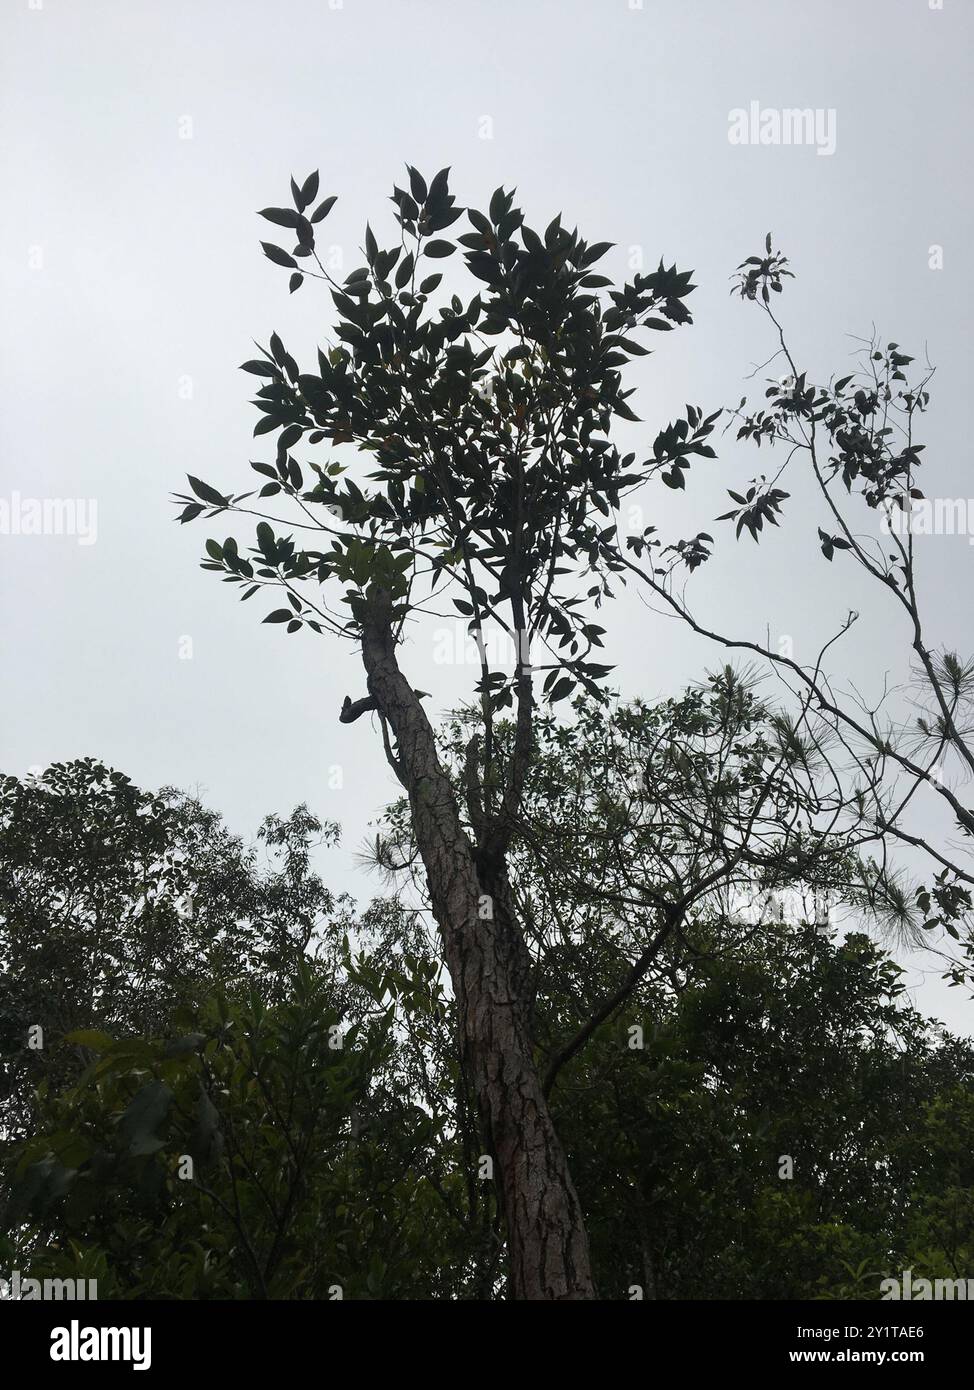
<point x="254" y="1158"/>
<point x="249" y="1159"/>
<point x="684" y="1066"/>
<point x="777" y="1134"/>
<point x="119" y="906"/>
<point x="494" y="479"/>
<point x="230" y="1101"/>
<point x="305" y="1128"/>
<point x="640" y="826"/>
<point x="857" y="439"/>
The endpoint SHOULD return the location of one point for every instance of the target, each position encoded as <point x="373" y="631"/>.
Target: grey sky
<point x="139" y="137"/>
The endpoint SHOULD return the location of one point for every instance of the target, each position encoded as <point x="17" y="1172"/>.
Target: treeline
<point x="222" y="1080"/>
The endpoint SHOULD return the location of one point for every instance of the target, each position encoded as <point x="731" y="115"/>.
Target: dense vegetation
<point x="225" y="1106"/>
<point x="620" y="1026"/>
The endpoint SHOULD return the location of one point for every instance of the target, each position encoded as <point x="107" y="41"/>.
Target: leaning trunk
<point x="489" y="965"/>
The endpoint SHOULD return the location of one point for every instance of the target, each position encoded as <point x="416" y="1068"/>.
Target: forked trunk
<point x="488" y="962"/>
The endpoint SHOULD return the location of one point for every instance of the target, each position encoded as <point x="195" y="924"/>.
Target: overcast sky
<point x="139" y="137"/>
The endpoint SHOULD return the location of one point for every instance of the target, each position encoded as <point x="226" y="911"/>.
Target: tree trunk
<point x="489" y="965"/>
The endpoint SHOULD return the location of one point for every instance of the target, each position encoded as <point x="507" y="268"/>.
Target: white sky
<point x="133" y="285"/>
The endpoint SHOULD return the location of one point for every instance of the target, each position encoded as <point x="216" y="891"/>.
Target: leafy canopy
<point x="488" y="418"/>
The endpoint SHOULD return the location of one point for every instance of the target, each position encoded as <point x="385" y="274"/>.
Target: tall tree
<point x="496" y="478"/>
<point x="493" y="479"/>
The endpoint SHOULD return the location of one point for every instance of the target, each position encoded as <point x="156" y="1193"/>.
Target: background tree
<point x="192" y="993"/>
<point x="774" y="1137"/>
<point x="120" y="906"/>
<point x="903" y="752"/>
<point x="252" y="1157"/>
<point x="641" y="827"/>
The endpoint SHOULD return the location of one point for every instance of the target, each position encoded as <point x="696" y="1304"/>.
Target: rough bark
<point x="489" y="965"/>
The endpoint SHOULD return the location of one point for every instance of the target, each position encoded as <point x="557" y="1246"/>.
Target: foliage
<point x="312" y="1166"/>
<point x="798" y="1047"/>
<point x="251" y="1159"/>
<point x="334" y="1100"/>
<point x="119" y="906"/>
<point x="486" y="421"/>
<point x="324" y="1102"/>
<point x="856" y="435"/>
